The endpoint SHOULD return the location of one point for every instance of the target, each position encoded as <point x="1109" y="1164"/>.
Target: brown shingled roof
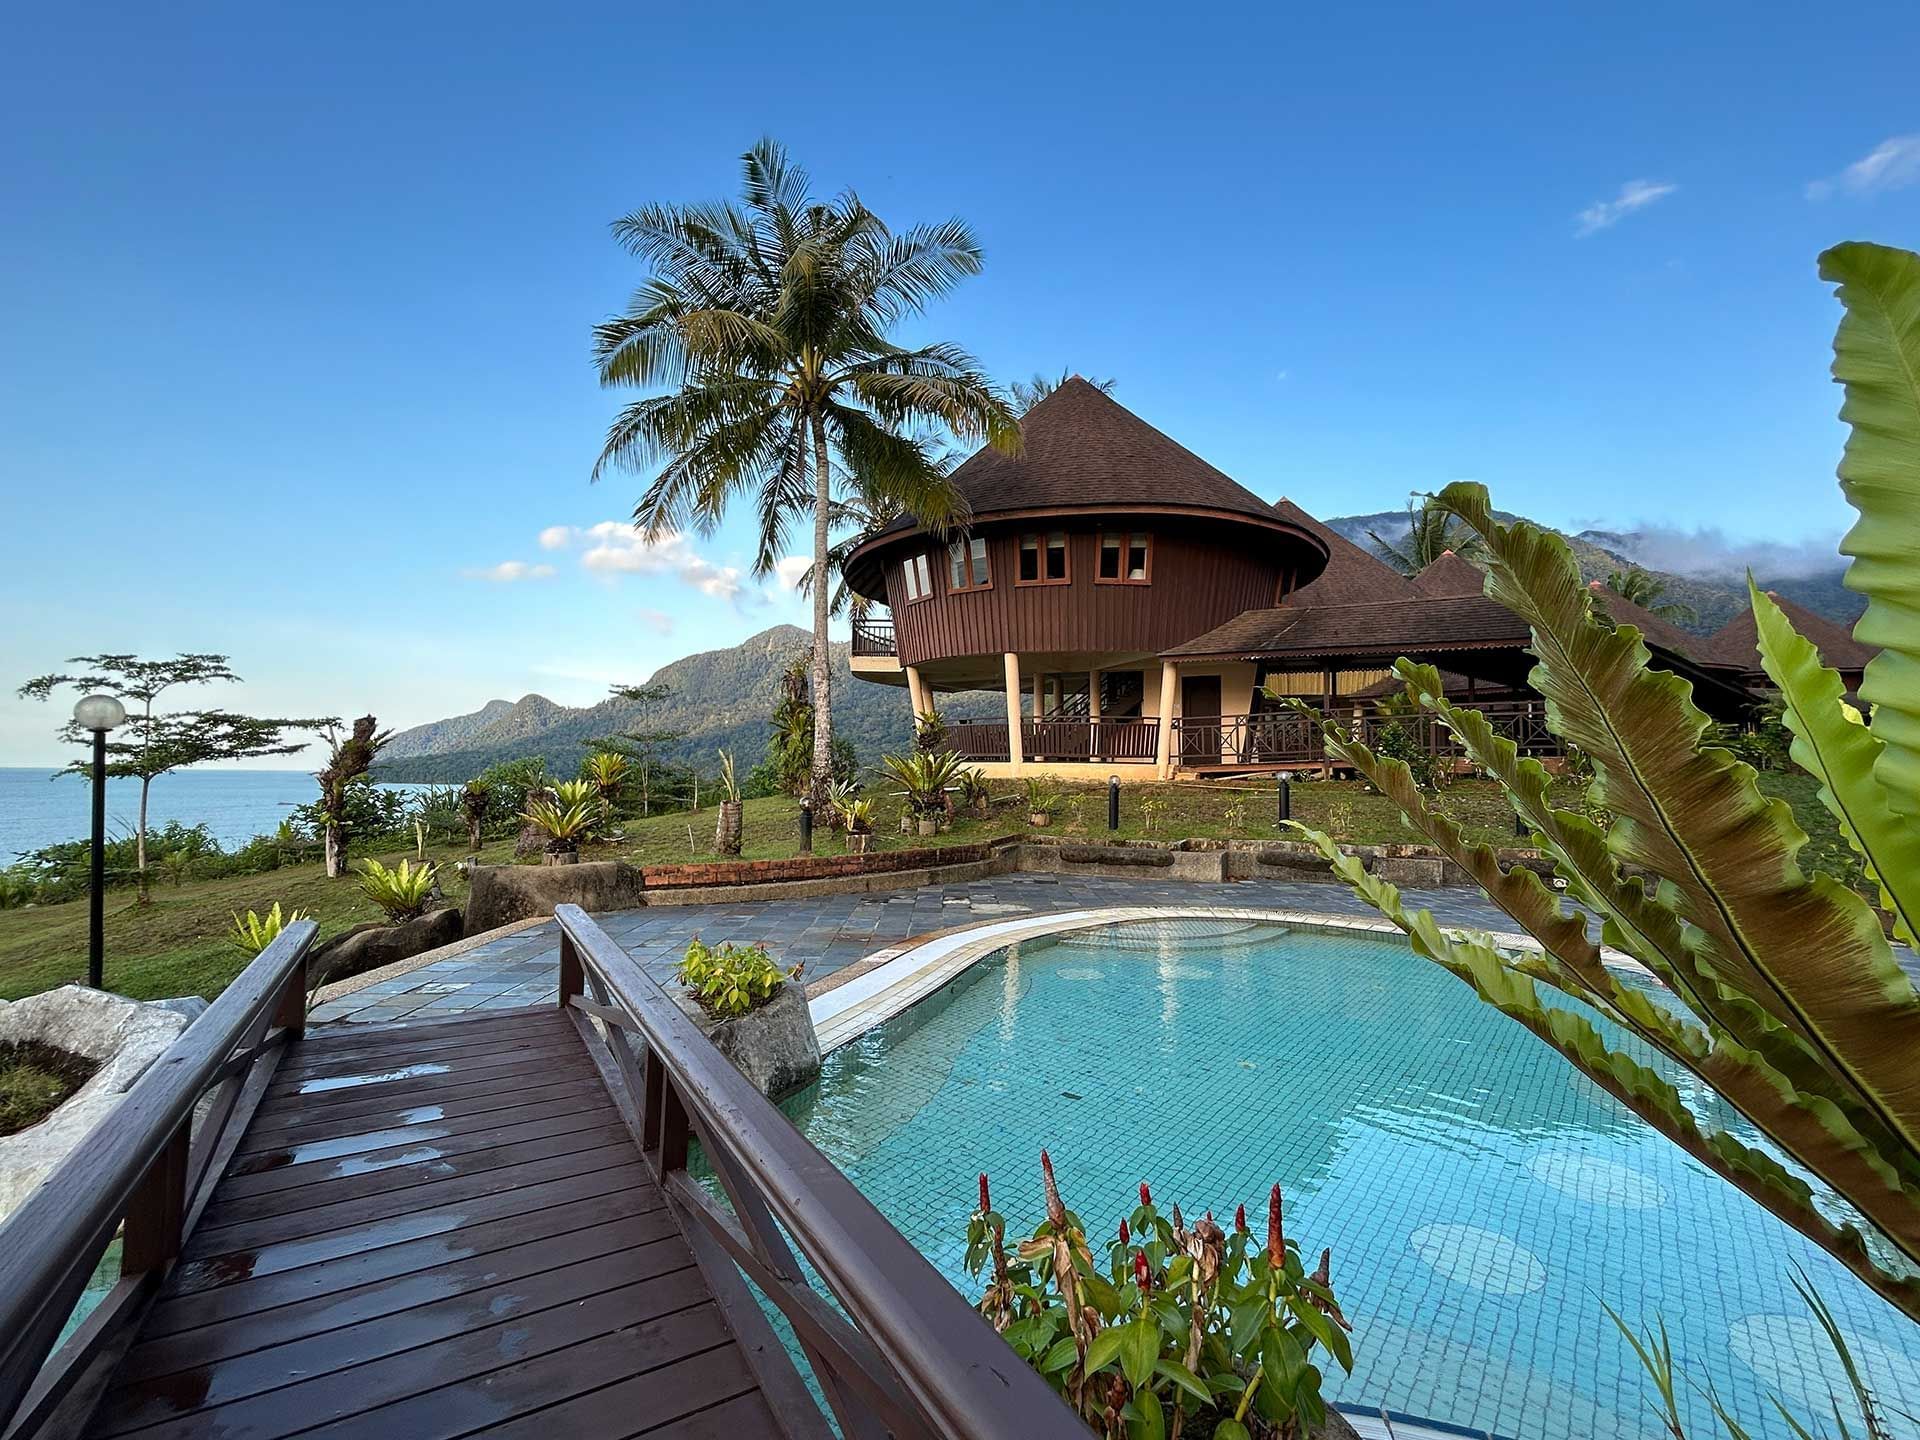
<point x="1653" y="629"/>
<point x="1450" y="575"/>
<point x="1371" y="627"/>
<point x="1352" y="575"/>
<point x="1737" y="643"/>
<point x="1082" y="447"/>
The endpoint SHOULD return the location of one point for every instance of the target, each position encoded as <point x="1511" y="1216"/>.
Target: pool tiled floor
<point x="828" y="933"/>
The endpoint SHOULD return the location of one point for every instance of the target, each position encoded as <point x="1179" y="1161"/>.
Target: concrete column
<point x="1169" y="687"/>
<point x="1093" y="716"/>
<point x="1013" y="708"/>
<point x="917" y="692"/>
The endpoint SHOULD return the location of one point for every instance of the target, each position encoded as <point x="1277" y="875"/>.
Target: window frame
<point x="1124" y="539"/>
<point x="973" y="549"/>
<point x="924" y="576"/>
<point x="1043" y="546"/>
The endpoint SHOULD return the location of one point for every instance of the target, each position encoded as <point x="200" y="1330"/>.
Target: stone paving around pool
<point x="828" y="933"/>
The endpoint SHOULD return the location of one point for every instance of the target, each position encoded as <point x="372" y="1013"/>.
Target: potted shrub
<point x="1043" y="803"/>
<point x="728" y="827"/>
<point x="561" y="824"/>
<point x="924" y="780"/>
<point x="856" y="817"/>
<point x="974" y="793"/>
<point x="752" y="1015"/>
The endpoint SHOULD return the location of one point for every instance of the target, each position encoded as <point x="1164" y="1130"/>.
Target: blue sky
<point x="296" y="299"/>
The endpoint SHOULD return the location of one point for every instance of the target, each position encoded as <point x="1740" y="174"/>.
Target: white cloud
<point x="1634" y="195"/>
<point x="657" y="621"/>
<point x="1889" y="166"/>
<point x="617" y="548"/>
<point x="556" y="537"/>
<point x="788" y="570"/>
<point x="508" y="571"/>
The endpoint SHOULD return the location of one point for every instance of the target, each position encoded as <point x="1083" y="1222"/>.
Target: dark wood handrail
<point x="917" y="1359"/>
<point x="145" y="1166"/>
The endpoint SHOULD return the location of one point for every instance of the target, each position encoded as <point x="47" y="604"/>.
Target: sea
<point x="39" y="807"/>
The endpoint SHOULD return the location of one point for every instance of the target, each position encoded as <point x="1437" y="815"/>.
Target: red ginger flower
<point x="1125" y="1234"/>
<point x="1141" y="1275"/>
<point x="1239" y="1218"/>
<point x="1276" y="1237"/>
<point x="1056" y="1208"/>
<point x="1146" y="1195"/>
<point x="985" y="1203"/>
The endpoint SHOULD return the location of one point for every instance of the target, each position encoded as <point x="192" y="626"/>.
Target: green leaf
<point x="1876" y="356"/>
<point x="1243" y="1330"/>
<point x="1139" y="1348"/>
<point x="1181" y="1376"/>
<point x="1062" y="1354"/>
<point x="1152" y="1424"/>
<point x="1841" y="754"/>
<point x="1104" y="1347"/>
<point x="1231" y="1429"/>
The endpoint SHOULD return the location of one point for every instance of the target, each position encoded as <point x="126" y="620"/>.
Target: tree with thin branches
<point x="1432" y="530"/>
<point x="766" y="321"/>
<point x="154" y="742"/>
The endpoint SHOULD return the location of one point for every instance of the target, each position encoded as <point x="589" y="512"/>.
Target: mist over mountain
<point x="1702" y="568"/>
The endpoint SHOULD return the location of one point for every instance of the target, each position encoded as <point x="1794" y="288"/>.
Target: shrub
<point x="404" y="892"/>
<point x="924" y="779"/>
<point x="930" y="732"/>
<point x="253" y="933"/>
<point x="1175" y="1328"/>
<point x="732" y="979"/>
<point x="1043" y="798"/>
<point x="562" y="824"/>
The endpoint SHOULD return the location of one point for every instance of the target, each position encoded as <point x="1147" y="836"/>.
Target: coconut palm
<point x="768" y="319"/>
<point x="1644" y="589"/>
<point x="1432" y="530"/>
<point x="1029" y="393"/>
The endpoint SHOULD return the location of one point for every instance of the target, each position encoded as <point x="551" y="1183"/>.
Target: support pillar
<point x="917" y="693"/>
<point x="1094" y="747"/>
<point x="1163" y="753"/>
<point x="1014" y="755"/>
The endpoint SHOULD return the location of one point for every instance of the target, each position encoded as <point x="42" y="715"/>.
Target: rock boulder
<point x="368" y="947"/>
<point x="774" y="1046"/>
<point x="502" y="894"/>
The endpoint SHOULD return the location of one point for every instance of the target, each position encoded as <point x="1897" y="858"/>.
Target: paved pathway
<point x="828" y="932"/>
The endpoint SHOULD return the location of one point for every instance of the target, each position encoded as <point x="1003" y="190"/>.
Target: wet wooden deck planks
<point x="432" y="1231"/>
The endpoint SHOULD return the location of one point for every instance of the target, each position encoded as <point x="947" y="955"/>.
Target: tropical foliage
<point x="924" y="779"/>
<point x="1648" y="590"/>
<point x="1787" y="999"/>
<point x="769" y="320"/>
<point x="404" y="892"/>
<point x="1029" y="393"/>
<point x="1432" y="530"/>
<point x="564" y="824"/>
<point x="1044" y="797"/>
<point x="350" y="757"/>
<point x="731" y="979"/>
<point x="253" y="932"/>
<point x="1172" y="1328"/>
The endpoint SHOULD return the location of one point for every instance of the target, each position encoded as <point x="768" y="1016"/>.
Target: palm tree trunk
<point x="822" y="594"/>
<point x="140" y="842"/>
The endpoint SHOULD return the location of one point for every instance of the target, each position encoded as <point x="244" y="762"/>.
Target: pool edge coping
<point x="897" y="977"/>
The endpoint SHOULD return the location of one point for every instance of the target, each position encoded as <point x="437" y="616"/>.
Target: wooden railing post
<point x="290" y="1015"/>
<point x="151" y="1238"/>
<point x="571" y="979"/>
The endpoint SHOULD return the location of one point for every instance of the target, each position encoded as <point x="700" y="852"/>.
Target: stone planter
<point x="560" y="857"/>
<point x="727" y="828"/>
<point x="1039" y="819"/>
<point x="122" y="1036"/>
<point x="774" y="1046"/>
<point x="929" y="825"/>
<point x="859" y="841"/>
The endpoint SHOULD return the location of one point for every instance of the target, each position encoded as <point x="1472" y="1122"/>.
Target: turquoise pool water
<point x="1481" y="1198"/>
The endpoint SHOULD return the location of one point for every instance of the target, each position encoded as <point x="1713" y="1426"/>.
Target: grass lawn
<point x="178" y="945"/>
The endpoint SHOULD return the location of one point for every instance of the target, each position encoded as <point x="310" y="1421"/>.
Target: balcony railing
<point x="1060" y="738"/>
<point x="873" y="637"/>
<point x="1292" y="737"/>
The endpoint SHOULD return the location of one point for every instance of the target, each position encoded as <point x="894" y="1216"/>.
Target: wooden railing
<point x="897" y="1351"/>
<point x="1293" y="737"/>
<point x="145" y="1174"/>
<point x="873" y="637"/>
<point x="1060" y="738"/>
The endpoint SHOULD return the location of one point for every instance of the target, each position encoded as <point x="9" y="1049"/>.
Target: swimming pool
<point x="1482" y="1199"/>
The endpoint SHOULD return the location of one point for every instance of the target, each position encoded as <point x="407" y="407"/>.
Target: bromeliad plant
<point x="924" y="779"/>
<point x="404" y="892"/>
<point x="1174" y="1329"/>
<point x="564" y="824"/>
<point x="1790" y="1004"/>
<point x="732" y="979"/>
<point x="253" y="933"/>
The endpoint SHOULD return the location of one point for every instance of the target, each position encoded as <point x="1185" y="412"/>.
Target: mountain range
<point x="720" y="699"/>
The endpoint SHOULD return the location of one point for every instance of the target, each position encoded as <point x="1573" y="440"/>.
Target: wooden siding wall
<point x="1198" y="582"/>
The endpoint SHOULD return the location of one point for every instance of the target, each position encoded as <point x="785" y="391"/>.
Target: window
<point x="967" y="564"/>
<point x="1125" y="559"/>
<point x="1043" y="559"/>
<point x="917" y="575"/>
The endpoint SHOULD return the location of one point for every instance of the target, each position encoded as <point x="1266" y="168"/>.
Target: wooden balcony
<point x="1292" y="739"/>
<point x="1059" y="740"/>
<point x="477" y="1226"/>
<point x="873" y="638"/>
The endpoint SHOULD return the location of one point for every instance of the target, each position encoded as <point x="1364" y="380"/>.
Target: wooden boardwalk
<point x="431" y="1231"/>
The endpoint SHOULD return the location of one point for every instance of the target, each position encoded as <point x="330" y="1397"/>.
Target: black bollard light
<point x="97" y="714"/>
<point x="806" y="827"/>
<point x="1520" y="831"/>
<point x="1113" y="802"/>
<point x="1285" y="800"/>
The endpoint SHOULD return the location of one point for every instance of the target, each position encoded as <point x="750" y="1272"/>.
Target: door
<point x="1200" y="720"/>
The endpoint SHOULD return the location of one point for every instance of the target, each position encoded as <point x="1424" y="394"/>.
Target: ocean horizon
<point x="39" y="806"/>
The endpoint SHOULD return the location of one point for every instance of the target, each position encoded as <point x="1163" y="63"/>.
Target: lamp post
<point x="98" y="714"/>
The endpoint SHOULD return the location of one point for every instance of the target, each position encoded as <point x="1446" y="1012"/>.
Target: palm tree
<point x="1644" y="589"/>
<point x="768" y="319"/>
<point x="1029" y="393"/>
<point x="1432" y="530"/>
